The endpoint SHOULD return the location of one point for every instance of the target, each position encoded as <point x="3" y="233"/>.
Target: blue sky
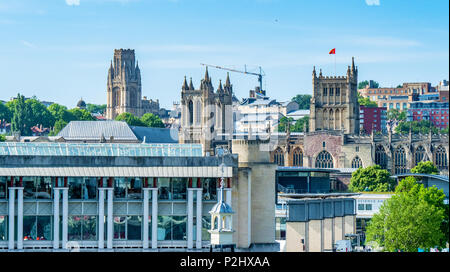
<point x="60" y="50"/>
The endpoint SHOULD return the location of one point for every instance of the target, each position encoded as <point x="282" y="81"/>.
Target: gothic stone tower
<point x="334" y="105"/>
<point x="205" y="113"/>
<point x="124" y="85"/>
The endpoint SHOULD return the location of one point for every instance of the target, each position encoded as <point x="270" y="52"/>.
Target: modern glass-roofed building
<point x="106" y="196"/>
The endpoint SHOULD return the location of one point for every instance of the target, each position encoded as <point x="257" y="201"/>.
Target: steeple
<point x="228" y="87"/>
<point x="353" y="65"/>
<point x="220" y="89"/>
<point x="207" y="78"/>
<point x="185" y="85"/>
<point x="191" y="86"/>
<point x="314" y="71"/>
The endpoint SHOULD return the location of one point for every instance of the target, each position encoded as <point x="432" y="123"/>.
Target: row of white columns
<point x="109" y="216"/>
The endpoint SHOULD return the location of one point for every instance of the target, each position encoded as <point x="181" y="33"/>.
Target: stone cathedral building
<point x="206" y="114"/>
<point x="334" y="139"/>
<point x="124" y="89"/>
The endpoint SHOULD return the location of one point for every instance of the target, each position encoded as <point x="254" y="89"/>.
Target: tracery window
<point x="278" y="157"/>
<point x="400" y="161"/>
<point x="381" y="157"/>
<point x="324" y="160"/>
<point x="419" y="154"/>
<point x="357" y="162"/>
<point x="297" y="157"/>
<point x="440" y="158"/>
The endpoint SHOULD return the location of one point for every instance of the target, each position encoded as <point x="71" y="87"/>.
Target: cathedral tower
<point x="334" y="105"/>
<point x="124" y="85"/>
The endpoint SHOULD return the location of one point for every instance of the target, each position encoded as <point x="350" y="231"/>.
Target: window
<point x="338" y="91"/>
<point x="172" y="228"/>
<point x="82" y="188"/>
<point x="419" y="155"/>
<point x="356" y="162"/>
<point x="127" y="227"/>
<point x="357" y="149"/>
<point x="400" y="160"/>
<point x="368" y="207"/>
<point x="361" y="207"/>
<point x="82" y="228"/>
<point x="179" y="188"/>
<point x="331" y="91"/>
<point x="324" y="91"/>
<point x="278" y="157"/>
<point x="380" y="157"/>
<point x="3" y="227"/>
<point x="440" y="158"/>
<point x="297" y="157"/>
<point x="164" y="190"/>
<point x="191" y="112"/>
<point x="209" y="188"/>
<point x="324" y="160"/>
<point x="37" y="228"/>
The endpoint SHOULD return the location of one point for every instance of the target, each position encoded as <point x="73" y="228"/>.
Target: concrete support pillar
<point x="65" y="216"/>
<point x="145" y="214"/>
<point x="110" y="229"/>
<point x="190" y="217"/>
<point x="20" y="218"/>
<point x="198" y="244"/>
<point x="101" y="218"/>
<point x="56" y="218"/>
<point x="154" y="218"/>
<point x="11" y="217"/>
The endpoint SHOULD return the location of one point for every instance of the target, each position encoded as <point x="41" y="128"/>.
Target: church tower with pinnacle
<point x="334" y="105"/>
<point x="124" y="89"/>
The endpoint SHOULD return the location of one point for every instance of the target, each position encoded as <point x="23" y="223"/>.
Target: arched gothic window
<point x="297" y="159"/>
<point x="440" y="158"/>
<point x="419" y="154"/>
<point x="357" y="162"/>
<point x="400" y="161"/>
<point x="191" y="112"/>
<point x="278" y="157"/>
<point x="324" y="160"/>
<point x="381" y="157"/>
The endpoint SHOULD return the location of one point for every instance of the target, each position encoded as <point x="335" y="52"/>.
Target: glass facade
<point x="3" y="186"/>
<point x="37" y="228"/>
<point x="172" y="228"/>
<point x="37" y="187"/>
<point x="82" y="228"/>
<point x="3" y="227"/>
<point x="127" y="227"/>
<point x="82" y="188"/>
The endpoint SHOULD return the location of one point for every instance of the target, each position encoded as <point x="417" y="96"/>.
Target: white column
<point x="56" y="218"/>
<point x="190" y="217"/>
<point x="145" y="218"/>
<point x="227" y="196"/>
<point x="249" y="207"/>
<point x="199" y="218"/>
<point x="11" y="218"/>
<point x="110" y="229"/>
<point x="65" y="216"/>
<point x="154" y="218"/>
<point x="101" y="218"/>
<point x="20" y="218"/>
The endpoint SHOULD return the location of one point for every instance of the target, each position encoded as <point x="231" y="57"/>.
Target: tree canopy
<point x="94" y="108"/>
<point x="5" y="113"/>
<point x="365" y="101"/>
<point x="414" y="217"/>
<point x="303" y="101"/>
<point x="2" y="138"/>
<point x="427" y="167"/>
<point x="22" y="116"/>
<point x="81" y="115"/>
<point x="422" y="127"/>
<point x="364" y="83"/>
<point x="130" y="119"/>
<point x="151" y="120"/>
<point x="395" y="114"/>
<point x="371" y="178"/>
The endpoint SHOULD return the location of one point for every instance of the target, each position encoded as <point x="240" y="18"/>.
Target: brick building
<point x="372" y="118"/>
<point x="436" y="112"/>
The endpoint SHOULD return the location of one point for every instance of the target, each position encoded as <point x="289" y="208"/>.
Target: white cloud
<point x="28" y="44"/>
<point x="373" y="2"/>
<point x="73" y="2"/>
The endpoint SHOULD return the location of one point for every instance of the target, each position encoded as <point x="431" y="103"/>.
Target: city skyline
<point x="61" y="51"/>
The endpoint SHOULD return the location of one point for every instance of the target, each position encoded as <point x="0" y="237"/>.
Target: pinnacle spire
<point x="353" y="63"/>
<point x="227" y="82"/>
<point x="185" y="85"/>
<point x="220" y="89"/>
<point x="206" y="74"/>
<point x="191" y="86"/>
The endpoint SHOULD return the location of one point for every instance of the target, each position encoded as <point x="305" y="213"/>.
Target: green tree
<point x="282" y="124"/>
<point x="412" y="218"/>
<point x="2" y="138"/>
<point x="59" y="125"/>
<point x="425" y="168"/>
<point x="81" y="115"/>
<point x="60" y="112"/>
<point x="422" y="127"/>
<point x="40" y="114"/>
<point x="364" y="83"/>
<point x="151" y="120"/>
<point x="395" y="114"/>
<point x="5" y="113"/>
<point x="365" y="101"/>
<point x="300" y="124"/>
<point x="399" y="86"/>
<point x="93" y="108"/>
<point x="22" y="117"/>
<point x="371" y="178"/>
<point x="303" y="101"/>
<point x="130" y="119"/>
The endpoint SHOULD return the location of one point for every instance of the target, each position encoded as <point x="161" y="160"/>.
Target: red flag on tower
<point x="333" y="51"/>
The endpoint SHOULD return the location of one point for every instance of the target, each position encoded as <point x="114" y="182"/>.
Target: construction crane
<point x="259" y="75"/>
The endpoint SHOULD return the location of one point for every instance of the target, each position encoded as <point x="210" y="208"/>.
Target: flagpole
<point x="334" y="64"/>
